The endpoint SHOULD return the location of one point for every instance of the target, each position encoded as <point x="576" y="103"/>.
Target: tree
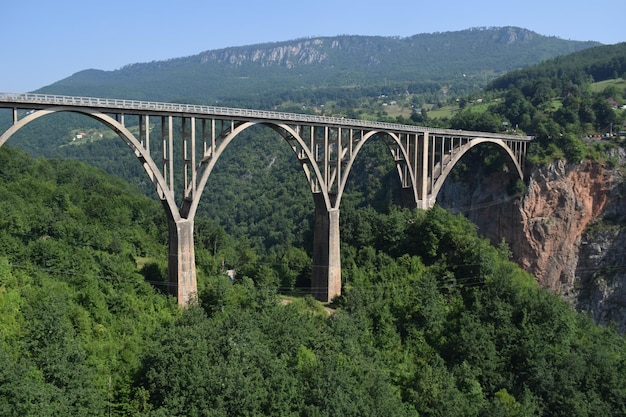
<point x="605" y="116"/>
<point x="516" y="109"/>
<point x="575" y="150"/>
<point x="480" y="121"/>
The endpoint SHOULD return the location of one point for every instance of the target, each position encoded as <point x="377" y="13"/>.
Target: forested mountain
<point x="434" y="321"/>
<point x="352" y="76"/>
<point x="322" y="69"/>
<point x="259" y="169"/>
<point x="592" y="65"/>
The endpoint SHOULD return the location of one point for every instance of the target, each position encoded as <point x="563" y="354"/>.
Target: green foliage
<point x="599" y="63"/>
<point x="74" y="309"/>
<point x="433" y="320"/>
<point x="575" y="150"/>
<point x="556" y="102"/>
<point x="517" y="188"/>
<point x="486" y="340"/>
<point x="478" y="121"/>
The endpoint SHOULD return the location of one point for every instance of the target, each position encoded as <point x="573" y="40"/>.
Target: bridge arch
<point x="397" y="150"/>
<point x="181" y="259"/>
<point x="462" y="150"/>
<point x="211" y="156"/>
<point x="326" y="269"/>
<point x="148" y="163"/>
<point x="326" y="148"/>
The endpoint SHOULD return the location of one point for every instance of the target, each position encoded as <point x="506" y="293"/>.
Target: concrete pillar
<point x="181" y="266"/>
<point x="425" y="164"/>
<point x="326" y="279"/>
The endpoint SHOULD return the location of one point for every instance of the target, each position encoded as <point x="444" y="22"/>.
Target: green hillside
<point x="259" y="169"/>
<point x="592" y="65"/>
<point x="434" y="321"/>
<point x="567" y="103"/>
<point x="315" y="71"/>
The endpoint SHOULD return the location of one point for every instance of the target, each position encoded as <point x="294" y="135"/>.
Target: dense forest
<point x="559" y="75"/>
<point x="433" y="321"/>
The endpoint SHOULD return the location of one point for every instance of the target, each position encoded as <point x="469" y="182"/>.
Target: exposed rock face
<point x="560" y="203"/>
<point x="569" y="230"/>
<point x="300" y="52"/>
<point x="601" y="275"/>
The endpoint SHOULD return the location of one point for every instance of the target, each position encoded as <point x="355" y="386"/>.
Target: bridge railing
<point x="188" y="109"/>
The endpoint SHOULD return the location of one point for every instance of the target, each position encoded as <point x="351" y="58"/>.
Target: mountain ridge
<point x="469" y="58"/>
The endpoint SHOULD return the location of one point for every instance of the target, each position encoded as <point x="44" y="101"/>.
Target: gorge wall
<point x="568" y="229"/>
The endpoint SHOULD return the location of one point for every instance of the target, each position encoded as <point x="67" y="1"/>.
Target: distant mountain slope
<point x="285" y="69"/>
<point x="593" y="64"/>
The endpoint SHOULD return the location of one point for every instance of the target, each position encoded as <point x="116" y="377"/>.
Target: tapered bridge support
<point x="181" y="267"/>
<point x="326" y="277"/>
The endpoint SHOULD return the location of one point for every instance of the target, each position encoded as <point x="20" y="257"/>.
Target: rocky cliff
<point x="568" y="229"/>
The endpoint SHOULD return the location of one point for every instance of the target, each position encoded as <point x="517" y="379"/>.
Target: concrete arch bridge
<point x="326" y="148"/>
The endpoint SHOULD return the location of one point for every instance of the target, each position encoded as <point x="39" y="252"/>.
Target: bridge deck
<point x="38" y="101"/>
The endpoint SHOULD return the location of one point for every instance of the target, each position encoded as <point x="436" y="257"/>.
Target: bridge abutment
<point x="181" y="265"/>
<point x="326" y="276"/>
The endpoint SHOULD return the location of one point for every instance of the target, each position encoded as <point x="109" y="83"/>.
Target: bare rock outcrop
<point x="561" y="201"/>
<point x="568" y="229"/>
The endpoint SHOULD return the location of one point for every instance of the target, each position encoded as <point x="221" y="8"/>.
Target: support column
<point x="326" y="279"/>
<point x="181" y="266"/>
<point x="427" y="171"/>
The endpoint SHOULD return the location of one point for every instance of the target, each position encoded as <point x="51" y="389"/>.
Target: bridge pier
<point x="326" y="277"/>
<point x="181" y="264"/>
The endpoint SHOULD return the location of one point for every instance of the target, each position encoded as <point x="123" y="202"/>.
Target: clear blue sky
<point x="43" y="41"/>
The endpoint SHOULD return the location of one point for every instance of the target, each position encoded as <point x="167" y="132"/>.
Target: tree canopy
<point x="433" y="320"/>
